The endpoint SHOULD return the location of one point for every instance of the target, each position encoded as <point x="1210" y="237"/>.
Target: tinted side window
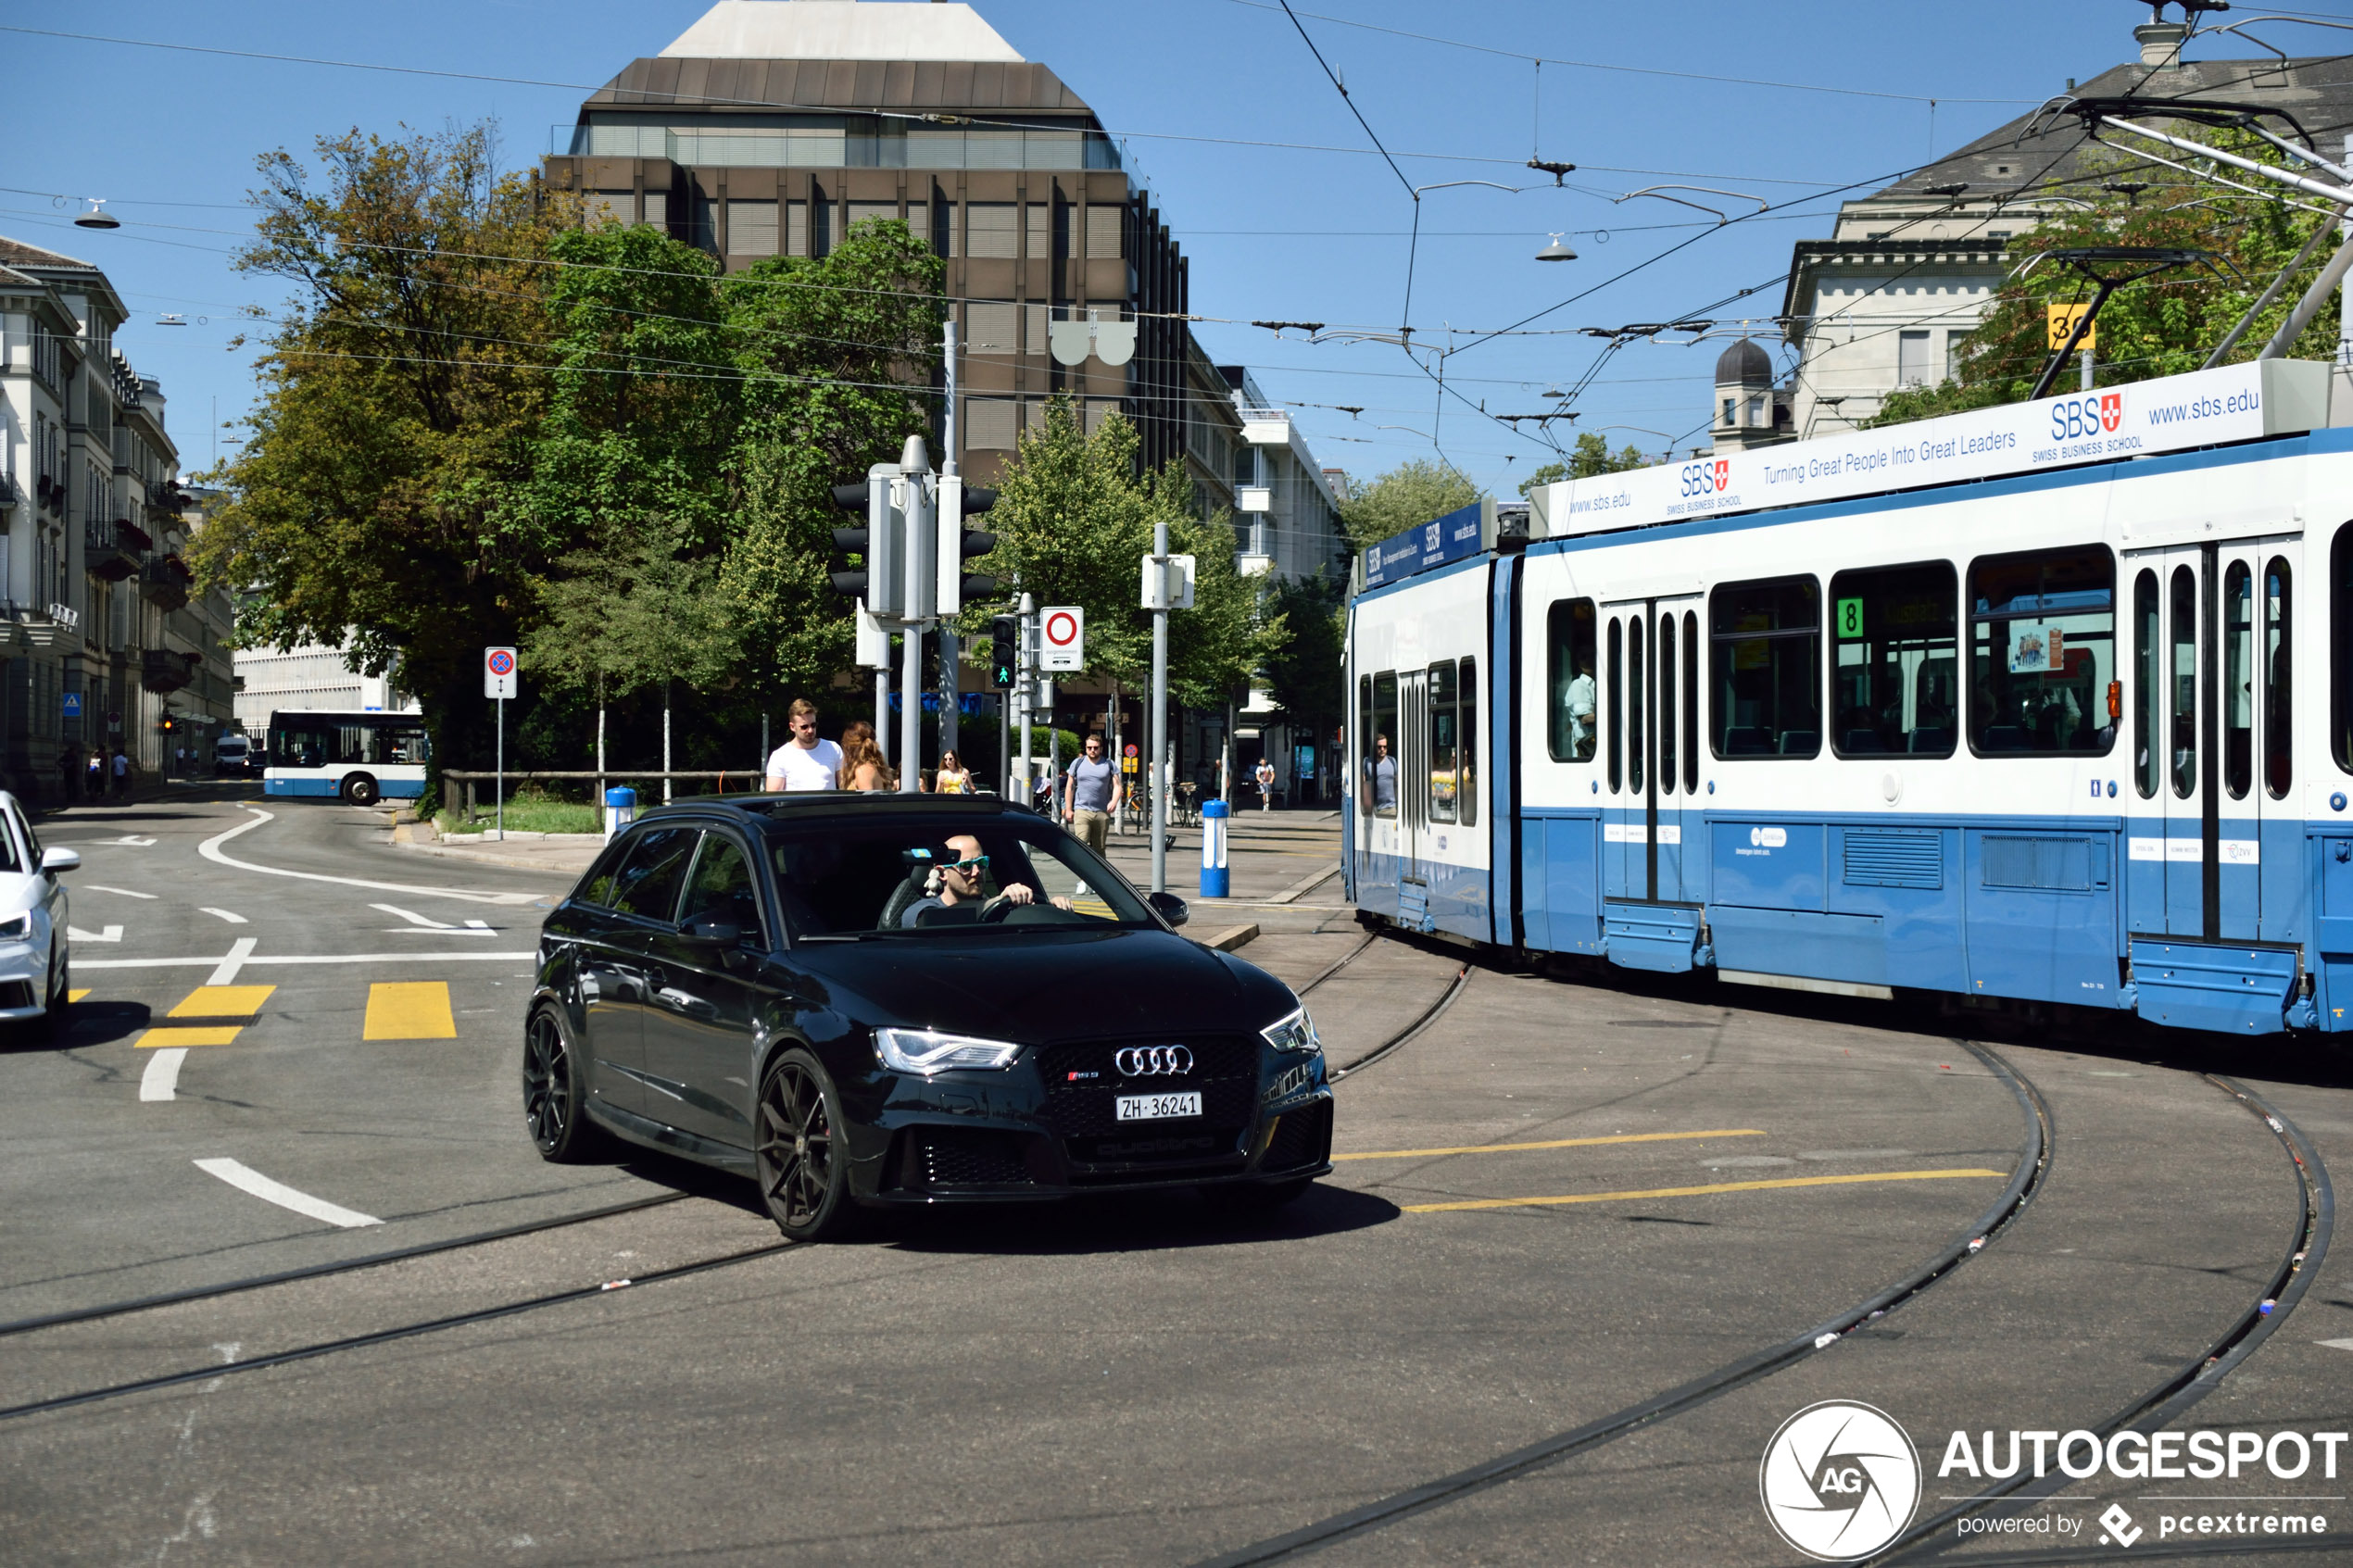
<point x="1895" y="661"/>
<point x="1765" y="668"/>
<point x="596" y="886"/>
<point x="721" y="889"/>
<point x="2042" y="652"/>
<point x="1568" y="651"/>
<point x="647" y="886"/>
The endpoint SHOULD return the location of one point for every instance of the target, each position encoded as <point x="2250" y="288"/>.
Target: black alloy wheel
<point x="796" y="1152"/>
<point x="53" y="995"/>
<point x="552" y="1094"/>
<point x="362" y="790"/>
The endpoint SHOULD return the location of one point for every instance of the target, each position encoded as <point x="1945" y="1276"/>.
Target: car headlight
<point x="17" y="928"/>
<point x="1296" y="1032"/>
<point x="927" y="1051"/>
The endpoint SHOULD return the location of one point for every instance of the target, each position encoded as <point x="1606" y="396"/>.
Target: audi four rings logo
<point x="1154" y="1061"/>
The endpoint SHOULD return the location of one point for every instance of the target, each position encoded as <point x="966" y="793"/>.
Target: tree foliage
<point x="1413" y="493"/>
<point x="2163" y="326"/>
<point x="1307" y="676"/>
<point x="1588" y="457"/>
<point x="1074" y="521"/>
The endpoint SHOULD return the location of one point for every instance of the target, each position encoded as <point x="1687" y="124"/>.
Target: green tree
<point x="1307" y="676"/>
<point x="2163" y="326"/>
<point x="1406" y="497"/>
<point x="400" y="394"/>
<point x="1588" y="457"/>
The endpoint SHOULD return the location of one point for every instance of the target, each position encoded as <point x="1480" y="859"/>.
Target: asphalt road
<point x="1557" y="1200"/>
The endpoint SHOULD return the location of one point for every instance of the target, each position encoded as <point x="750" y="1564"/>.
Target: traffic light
<point x="958" y="544"/>
<point x="875" y="578"/>
<point x="1004" y="657"/>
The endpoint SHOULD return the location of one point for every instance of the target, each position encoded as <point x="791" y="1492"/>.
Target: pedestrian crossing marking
<point x="222" y="1001"/>
<point x="409" y="1009"/>
<point x="212" y="1035"/>
<point x="76" y="995"/>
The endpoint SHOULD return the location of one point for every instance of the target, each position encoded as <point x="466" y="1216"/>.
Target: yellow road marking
<point x="222" y="1001"/>
<point x="76" y="995"/>
<point x="409" y="1009"/>
<point x="1700" y="1191"/>
<point x="216" y="1035"/>
<point x="1555" y="1143"/>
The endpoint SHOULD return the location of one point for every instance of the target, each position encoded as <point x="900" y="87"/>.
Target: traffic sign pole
<point x="499" y="670"/>
<point x="1159" y="770"/>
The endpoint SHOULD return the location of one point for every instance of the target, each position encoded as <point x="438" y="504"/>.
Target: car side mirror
<point x="718" y="933"/>
<point x="1169" y="907"/>
<point x="60" y="859"/>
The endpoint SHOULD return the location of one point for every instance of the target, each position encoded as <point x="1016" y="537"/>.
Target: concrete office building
<point x="770" y="126"/>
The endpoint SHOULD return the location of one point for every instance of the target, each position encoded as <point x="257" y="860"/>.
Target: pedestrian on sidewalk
<point x="1092" y="791"/>
<point x="952" y="778"/>
<point x="122" y="773"/>
<point x="1266" y="777"/>
<point x="93" y="783"/>
<point x="69" y="772"/>
<point x="804" y="762"/>
<point x="863" y="767"/>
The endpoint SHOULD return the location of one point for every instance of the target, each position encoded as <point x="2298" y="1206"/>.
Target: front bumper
<point x="1046" y="1128"/>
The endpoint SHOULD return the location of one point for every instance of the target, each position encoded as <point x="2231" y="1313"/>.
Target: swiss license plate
<point x="1155" y="1108"/>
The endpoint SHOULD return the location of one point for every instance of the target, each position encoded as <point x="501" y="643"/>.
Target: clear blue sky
<point x="1277" y="233"/>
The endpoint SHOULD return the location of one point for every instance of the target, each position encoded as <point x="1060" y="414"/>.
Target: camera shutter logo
<point x="1840" y="1480"/>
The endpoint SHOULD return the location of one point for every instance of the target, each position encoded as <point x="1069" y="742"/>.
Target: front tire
<point x="554" y="1096"/>
<point x="360" y="790"/>
<point x="53" y="995"/>
<point x="798" y="1153"/>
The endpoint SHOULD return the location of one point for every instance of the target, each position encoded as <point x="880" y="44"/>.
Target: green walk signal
<point x="1004" y="657"/>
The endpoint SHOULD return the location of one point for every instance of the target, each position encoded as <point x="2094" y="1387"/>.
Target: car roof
<point x="782" y="809"/>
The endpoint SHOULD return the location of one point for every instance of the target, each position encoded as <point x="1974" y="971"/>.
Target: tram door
<point x="2211" y="740"/>
<point x="1654" y="727"/>
<point x="1413" y="771"/>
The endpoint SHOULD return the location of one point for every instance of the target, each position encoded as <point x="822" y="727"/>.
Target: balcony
<point x="111" y="550"/>
<point x="1266" y="427"/>
<point x="1254" y="499"/>
<point x="164" y="582"/>
<point x="161" y="670"/>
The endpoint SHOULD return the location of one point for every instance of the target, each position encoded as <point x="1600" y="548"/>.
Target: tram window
<point x="1894" y="647"/>
<point x="1365" y="743"/>
<point x="2042" y="653"/>
<point x="2238" y="680"/>
<point x="1568" y="652"/>
<point x="2278" y="686"/>
<point x="1467" y="735"/>
<point x="1766" y="666"/>
<point x="1380" y="769"/>
<point x="1637" y="691"/>
<point x="1617" y="708"/>
<point x="2148" y="683"/>
<point x="1442" y="742"/>
<point x="1691" y="702"/>
<point x="1666" y="703"/>
<point x="2182" y="670"/>
<point x="2341" y="648"/>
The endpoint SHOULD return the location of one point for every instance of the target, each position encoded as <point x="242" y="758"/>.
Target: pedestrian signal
<point x="1004" y="633"/>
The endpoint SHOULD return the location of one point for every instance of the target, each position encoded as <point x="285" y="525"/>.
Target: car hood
<point x="1045" y="987"/>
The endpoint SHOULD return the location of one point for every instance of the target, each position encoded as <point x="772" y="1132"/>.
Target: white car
<point x="35" y="960"/>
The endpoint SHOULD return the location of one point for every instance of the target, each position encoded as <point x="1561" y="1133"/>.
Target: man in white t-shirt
<point x="804" y="762"/>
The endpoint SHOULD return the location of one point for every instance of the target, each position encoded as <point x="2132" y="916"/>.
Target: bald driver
<point x="958" y="885"/>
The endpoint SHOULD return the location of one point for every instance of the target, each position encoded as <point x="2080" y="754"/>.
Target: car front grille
<point x="1083" y="1086"/>
<point x="1301" y="1137"/>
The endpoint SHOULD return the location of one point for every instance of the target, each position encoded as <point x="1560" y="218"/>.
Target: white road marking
<point x="524" y="957"/>
<point x="479" y="924"/>
<point x="229" y="915"/>
<point x="136" y="841"/>
<point x="95" y="887"/>
<point x="234" y="960"/>
<point x="412" y="917"/>
<point x="210" y="849"/>
<point x="104" y="933"/>
<point x="2336" y="1344"/>
<point x="248" y="1180"/>
<point x="161" y="1079"/>
<point x="437" y="930"/>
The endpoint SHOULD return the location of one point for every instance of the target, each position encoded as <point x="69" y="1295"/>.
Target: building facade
<point x="770" y="126"/>
<point x="99" y="649"/>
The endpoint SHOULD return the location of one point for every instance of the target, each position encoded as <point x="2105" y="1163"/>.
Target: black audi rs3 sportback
<point x="862" y="1001"/>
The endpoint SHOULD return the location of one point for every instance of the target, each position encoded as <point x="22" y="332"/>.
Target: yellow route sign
<point x="2062" y="319"/>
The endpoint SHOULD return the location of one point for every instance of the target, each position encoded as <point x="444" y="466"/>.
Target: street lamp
<point x="1556" y="252"/>
<point x="97" y="216"/>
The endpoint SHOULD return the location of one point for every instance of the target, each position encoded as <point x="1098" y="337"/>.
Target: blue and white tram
<point x="2004" y="706"/>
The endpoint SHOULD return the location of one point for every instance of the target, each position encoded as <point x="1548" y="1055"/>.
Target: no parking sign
<point x="498" y="673"/>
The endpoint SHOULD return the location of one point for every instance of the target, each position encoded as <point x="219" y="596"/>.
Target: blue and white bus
<point x="2043" y="704"/>
<point x="337" y="755"/>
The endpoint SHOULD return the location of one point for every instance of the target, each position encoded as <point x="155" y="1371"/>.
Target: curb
<point x="1228" y="939"/>
<point x="450" y="853"/>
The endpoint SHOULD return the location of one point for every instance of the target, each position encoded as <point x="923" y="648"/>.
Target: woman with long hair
<point x="952" y="778"/>
<point x="863" y="767"/>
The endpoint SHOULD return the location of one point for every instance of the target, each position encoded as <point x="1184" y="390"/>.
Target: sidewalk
<point x="558" y="854"/>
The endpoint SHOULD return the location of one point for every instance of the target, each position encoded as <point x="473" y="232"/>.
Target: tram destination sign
<point x="1457" y="535"/>
<point x="2171" y="414"/>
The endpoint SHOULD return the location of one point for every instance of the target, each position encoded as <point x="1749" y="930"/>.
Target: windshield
<point x="916" y="878"/>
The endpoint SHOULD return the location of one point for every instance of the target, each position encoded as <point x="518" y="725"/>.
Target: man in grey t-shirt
<point x="1093" y="791"/>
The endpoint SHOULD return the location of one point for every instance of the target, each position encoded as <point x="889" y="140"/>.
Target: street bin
<point x="620" y="809"/>
<point x="1213" y="875"/>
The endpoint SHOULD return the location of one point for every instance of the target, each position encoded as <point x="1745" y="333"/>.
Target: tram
<point x="2043" y="704"/>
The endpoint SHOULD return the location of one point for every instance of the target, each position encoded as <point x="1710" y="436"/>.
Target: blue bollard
<point x="1213" y="875"/>
<point x="620" y="809"/>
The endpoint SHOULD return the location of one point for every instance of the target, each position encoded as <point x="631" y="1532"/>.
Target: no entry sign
<point x="498" y="673"/>
<point x="1062" y="637"/>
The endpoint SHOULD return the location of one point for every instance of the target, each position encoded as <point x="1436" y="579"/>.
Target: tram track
<point x="2026" y="1179"/>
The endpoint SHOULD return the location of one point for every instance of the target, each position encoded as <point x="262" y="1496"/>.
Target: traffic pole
<point x="1158" y="772"/>
<point x="498" y="799"/>
<point x="916" y="464"/>
<point x="1022" y="683"/>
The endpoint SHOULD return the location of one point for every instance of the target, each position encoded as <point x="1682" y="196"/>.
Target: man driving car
<point x="956" y="887"/>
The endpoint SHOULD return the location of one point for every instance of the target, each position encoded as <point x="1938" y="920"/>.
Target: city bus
<point x="339" y="754"/>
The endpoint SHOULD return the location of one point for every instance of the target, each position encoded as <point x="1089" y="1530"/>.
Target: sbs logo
<point x="1840" y="1480"/>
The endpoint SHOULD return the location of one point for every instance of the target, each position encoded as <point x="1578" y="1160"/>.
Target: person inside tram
<point x="1380" y="777"/>
<point x="1577" y="708"/>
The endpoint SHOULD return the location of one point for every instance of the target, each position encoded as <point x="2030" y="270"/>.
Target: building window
<point x="1103" y="231"/>
<point x="608" y="206"/>
<point x="990" y="423"/>
<point x="992" y="230"/>
<point x="1954" y="345"/>
<point x="991" y="327"/>
<point x="751" y="228"/>
<point x="2042" y="652"/>
<point x="658" y="208"/>
<point x="1727" y="410"/>
<point x="1033" y="328"/>
<point x="1037" y="220"/>
<point x="796" y="227"/>
<point x="1911" y="358"/>
<point x="1767" y="667"/>
<point x="1894" y="661"/>
<point x="861" y="211"/>
<point x="919" y="222"/>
